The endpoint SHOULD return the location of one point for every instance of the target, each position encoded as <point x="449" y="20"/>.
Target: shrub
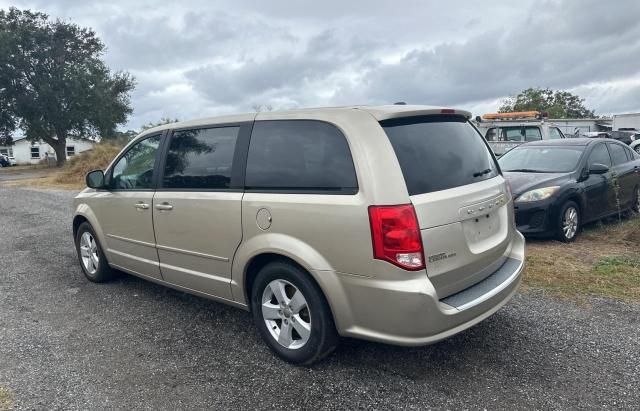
<point x="76" y="168"/>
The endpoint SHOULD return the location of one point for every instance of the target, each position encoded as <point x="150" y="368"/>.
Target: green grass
<point x="603" y="262"/>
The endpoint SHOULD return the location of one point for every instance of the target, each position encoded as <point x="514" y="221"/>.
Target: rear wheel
<point x="292" y="315"/>
<point x="568" y="222"/>
<point x="92" y="260"/>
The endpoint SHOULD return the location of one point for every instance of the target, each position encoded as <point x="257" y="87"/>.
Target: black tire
<point x="103" y="273"/>
<point x="561" y="232"/>
<point x="323" y="337"/>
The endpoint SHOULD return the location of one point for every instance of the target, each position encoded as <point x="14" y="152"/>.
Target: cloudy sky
<point x="198" y="58"/>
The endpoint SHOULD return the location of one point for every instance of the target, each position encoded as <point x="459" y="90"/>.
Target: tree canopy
<point x="558" y="103"/>
<point x="54" y="83"/>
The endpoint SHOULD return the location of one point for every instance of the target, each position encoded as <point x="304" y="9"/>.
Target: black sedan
<point x="559" y="185"/>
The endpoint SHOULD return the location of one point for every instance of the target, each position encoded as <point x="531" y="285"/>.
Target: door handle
<point x="164" y="207"/>
<point x="141" y="206"/>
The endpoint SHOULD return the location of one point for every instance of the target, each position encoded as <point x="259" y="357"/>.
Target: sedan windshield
<point x="541" y="159"/>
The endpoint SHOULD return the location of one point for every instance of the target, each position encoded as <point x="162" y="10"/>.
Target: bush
<point x="76" y="168"/>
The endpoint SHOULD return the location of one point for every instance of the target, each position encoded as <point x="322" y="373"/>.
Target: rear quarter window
<point x="439" y="152"/>
<point x="618" y="154"/>
<point x="299" y="156"/>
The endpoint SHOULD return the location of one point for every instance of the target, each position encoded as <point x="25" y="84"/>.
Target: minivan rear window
<point x="439" y="152"/>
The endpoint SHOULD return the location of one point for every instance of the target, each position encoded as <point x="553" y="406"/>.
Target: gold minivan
<point x="389" y="223"/>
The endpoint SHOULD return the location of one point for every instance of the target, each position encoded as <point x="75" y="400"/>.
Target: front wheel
<point x="636" y="200"/>
<point x="292" y="315"/>
<point x="568" y="222"/>
<point x="92" y="260"/>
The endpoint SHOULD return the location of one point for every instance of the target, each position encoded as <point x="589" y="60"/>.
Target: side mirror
<point x="597" y="168"/>
<point x="95" y="179"/>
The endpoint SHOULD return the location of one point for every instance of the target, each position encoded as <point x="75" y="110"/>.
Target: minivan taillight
<point x="396" y="236"/>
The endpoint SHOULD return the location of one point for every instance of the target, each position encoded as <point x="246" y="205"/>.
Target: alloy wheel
<point x="286" y="313"/>
<point x="89" y="253"/>
<point x="570" y="222"/>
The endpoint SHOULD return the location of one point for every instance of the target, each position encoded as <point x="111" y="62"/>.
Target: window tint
<point x="200" y="158"/>
<point x="134" y="170"/>
<point x="554" y="133"/>
<point x="600" y="155"/>
<point x="300" y="155"/>
<point x="618" y="154"/>
<point x="439" y="152"/>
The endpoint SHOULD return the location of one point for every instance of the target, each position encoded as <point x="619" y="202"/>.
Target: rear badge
<point x="439" y="257"/>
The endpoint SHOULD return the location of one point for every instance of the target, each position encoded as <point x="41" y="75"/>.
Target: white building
<point x="631" y="120"/>
<point x="27" y="152"/>
<point x="584" y="125"/>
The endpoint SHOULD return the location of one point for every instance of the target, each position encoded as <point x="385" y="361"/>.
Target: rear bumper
<point x="410" y="313"/>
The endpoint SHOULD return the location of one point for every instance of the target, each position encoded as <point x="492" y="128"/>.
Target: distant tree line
<point x="558" y="103"/>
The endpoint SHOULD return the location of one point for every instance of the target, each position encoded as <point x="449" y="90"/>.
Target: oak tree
<point x="54" y="83"/>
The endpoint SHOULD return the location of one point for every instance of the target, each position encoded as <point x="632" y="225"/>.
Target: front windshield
<point x="541" y="159"/>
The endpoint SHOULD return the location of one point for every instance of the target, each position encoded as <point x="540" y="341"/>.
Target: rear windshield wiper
<point x="525" y="170"/>
<point x="481" y="173"/>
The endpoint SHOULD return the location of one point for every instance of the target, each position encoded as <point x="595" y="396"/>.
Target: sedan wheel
<point x="569" y="223"/>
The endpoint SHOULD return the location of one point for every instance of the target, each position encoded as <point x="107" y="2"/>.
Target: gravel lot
<point x="67" y="343"/>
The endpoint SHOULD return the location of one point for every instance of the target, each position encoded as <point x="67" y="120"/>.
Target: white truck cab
<point x="505" y="131"/>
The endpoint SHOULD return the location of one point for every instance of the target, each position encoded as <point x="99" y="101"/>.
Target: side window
<point x="491" y="134"/>
<point x="618" y="154"/>
<point x="299" y="155"/>
<point x="600" y="155"/>
<point x="554" y="133"/>
<point x="512" y="134"/>
<point x="134" y="170"/>
<point x="200" y="158"/>
<point x="532" y="134"/>
<point x="630" y="154"/>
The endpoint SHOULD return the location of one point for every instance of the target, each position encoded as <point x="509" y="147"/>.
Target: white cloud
<point x="199" y="58"/>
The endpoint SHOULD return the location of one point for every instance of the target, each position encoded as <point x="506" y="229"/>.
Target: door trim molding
<point x="131" y="240"/>
<point x="193" y="253"/>
<point x="167" y="248"/>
